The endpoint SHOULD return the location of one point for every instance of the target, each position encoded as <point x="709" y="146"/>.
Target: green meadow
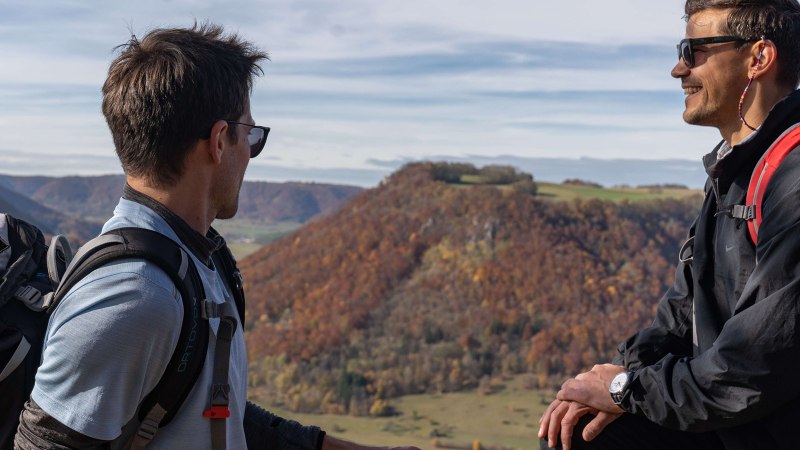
<point x="616" y="194"/>
<point x="568" y="192"/>
<point x="505" y="419"/>
<point x="245" y="236"/>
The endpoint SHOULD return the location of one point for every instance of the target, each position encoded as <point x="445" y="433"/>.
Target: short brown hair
<point x="164" y="92"/>
<point x="777" y="20"/>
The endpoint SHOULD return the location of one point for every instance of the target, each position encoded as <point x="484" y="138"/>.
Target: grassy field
<point x="571" y="192"/>
<point x="505" y="419"/>
<point x="245" y="237"/>
<point x="557" y="191"/>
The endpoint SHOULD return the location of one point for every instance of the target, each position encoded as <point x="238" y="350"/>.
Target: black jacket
<point x="723" y="353"/>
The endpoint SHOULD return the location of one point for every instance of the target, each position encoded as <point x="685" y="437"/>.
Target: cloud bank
<point x="353" y="82"/>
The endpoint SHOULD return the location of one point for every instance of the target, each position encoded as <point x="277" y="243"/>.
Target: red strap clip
<point x="217" y="412"/>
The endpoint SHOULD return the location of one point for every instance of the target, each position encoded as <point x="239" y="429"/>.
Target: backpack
<point x="759" y="180"/>
<point x="24" y="280"/>
<point x="160" y="405"/>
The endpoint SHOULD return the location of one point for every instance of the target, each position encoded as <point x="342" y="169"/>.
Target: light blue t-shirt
<point x="109" y="342"/>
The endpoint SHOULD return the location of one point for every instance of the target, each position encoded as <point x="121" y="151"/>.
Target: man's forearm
<point x="264" y="430"/>
<point x="332" y="443"/>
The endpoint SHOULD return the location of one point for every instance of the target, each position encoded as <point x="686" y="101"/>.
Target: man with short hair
<point x="718" y="368"/>
<point x="178" y="107"/>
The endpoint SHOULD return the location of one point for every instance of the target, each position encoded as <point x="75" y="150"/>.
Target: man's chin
<point x="227" y="213"/>
<point x="695" y="118"/>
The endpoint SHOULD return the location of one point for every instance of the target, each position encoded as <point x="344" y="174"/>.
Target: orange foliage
<point x="419" y="285"/>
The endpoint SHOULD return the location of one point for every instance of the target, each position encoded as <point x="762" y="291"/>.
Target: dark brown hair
<point x="165" y="91"/>
<point x="777" y="20"/>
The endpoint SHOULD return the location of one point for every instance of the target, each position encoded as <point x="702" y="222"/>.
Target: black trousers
<point x="631" y="432"/>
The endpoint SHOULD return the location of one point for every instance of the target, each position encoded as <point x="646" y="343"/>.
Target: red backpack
<point x="759" y="181"/>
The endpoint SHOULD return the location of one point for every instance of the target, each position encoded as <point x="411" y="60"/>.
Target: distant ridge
<point x="92" y="197"/>
<point x="293" y="201"/>
<point x="79" y="205"/>
<point x="49" y="221"/>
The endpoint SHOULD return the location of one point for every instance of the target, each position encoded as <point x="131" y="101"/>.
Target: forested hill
<point x="424" y="285"/>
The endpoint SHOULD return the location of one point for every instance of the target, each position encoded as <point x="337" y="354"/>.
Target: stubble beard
<point x="702" y="113"/>
<point x="230" y="208"/>
<point x="229" y="202"/>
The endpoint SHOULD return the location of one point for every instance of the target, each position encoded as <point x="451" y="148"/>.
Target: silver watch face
<point x="618" y="383"/>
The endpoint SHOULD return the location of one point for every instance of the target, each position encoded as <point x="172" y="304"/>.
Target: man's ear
<point x="764" y="58"/>
<point x="218" y="141"/>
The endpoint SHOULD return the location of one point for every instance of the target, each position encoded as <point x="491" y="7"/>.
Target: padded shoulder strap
<point x="763" y="172"/>
<point x="189" y="356"/>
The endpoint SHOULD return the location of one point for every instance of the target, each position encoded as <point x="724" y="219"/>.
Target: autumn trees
<point x="420" y="285"/>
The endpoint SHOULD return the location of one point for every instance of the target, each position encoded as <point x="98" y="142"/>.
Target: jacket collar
<point x="746" y="154"/>
<point x="201" y="246"/>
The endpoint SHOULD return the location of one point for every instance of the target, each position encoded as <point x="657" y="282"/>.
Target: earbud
<point x="750" y="81"/>
<point x="760" y="52"/>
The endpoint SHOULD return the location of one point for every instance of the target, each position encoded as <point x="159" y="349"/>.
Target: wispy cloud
<point x="355" y="81"/>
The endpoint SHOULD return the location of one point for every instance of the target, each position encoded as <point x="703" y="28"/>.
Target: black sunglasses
<point x="256" y="137"/>
<point x="686" y="52"/>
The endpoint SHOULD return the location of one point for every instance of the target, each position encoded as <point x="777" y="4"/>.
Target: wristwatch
<point x="619" y="386"/>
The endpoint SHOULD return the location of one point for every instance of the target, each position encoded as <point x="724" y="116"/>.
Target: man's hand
<point x="591" y="388"/>
<point x="561" y="418"/>
<point x="332" y="443"/>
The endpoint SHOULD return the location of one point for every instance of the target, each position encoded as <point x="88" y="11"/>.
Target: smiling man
<point x="718" y="368"/>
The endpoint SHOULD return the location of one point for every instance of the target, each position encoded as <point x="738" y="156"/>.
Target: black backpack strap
<point x="226" y="263"/>
<point x="160" y="405"/>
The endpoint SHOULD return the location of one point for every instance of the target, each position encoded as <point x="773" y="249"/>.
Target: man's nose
<point x="680" y="70"/>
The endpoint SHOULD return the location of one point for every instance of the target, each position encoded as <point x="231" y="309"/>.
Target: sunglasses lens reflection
<point x="257" y="138"/>
<point x="685" y="53"/>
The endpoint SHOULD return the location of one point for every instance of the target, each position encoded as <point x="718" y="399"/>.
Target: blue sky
<point x="357" y="87"/>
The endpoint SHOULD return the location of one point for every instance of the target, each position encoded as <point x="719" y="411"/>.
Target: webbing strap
<point x="218" y="412"/>
<point x="31" y="297"/>
<point x="16" y="359"/>
<point x="59" y="255"/>
<point x="148" y="428"/>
